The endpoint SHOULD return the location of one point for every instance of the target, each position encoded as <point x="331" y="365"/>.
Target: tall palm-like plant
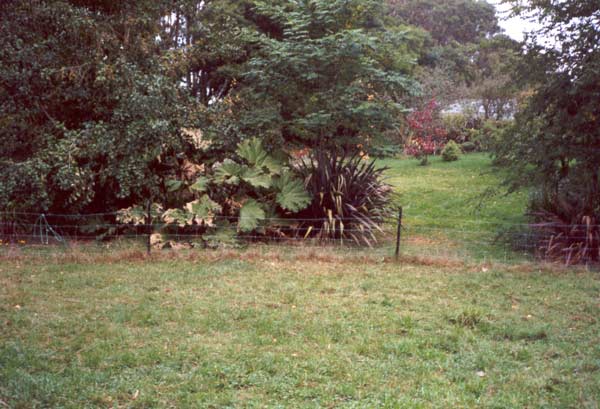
<point x="350" y="200"/>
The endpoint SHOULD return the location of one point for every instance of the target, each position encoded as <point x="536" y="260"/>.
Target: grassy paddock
<point x="295" y="329"/>
<point x="449" y="212"/>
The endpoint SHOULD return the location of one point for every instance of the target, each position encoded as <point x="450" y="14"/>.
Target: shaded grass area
<point x="448" y="210"/>
<point x="275" y="332"/>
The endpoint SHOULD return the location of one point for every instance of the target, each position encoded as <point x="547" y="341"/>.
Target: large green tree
<point x="460" y="21"/>
<point x="494" y="65"/>
<point x="555" y="143"/>
<point x="89" y="120"/>
<point x="558" y="131"/>
<point x="459" y="49"/>
<point x="329" y="75"/>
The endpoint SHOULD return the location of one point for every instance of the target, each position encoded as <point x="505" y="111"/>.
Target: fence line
<point x="36" y="231"/>
<point x="413" y="219"/>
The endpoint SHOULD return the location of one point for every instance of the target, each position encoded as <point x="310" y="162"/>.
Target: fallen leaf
<point x="136" y="394"/>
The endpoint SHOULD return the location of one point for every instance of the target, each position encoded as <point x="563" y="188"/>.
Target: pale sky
<point x="515" y="26"/>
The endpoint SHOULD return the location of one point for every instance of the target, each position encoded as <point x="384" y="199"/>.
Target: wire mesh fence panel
<point x="31" y="233"/>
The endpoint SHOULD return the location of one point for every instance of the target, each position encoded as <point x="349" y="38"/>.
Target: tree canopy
<point x="558" y="131"/>
<point x="460" y="21"/>
<point x="89" y="118"/>
<point x="103" y="102"/>
<point x="335" y="76"/>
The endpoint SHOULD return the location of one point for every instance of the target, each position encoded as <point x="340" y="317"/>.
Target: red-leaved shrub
<point x="427" y="134"/>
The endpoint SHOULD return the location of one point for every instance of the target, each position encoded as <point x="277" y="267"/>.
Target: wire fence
<point x="23" y="233"/>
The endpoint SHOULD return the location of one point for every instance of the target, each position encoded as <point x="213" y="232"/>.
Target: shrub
<point x="564" y="226"/>
<point x="468" y="147"/>
<point x="349" y="198"/>
<point x="251" y="195"/>
<point x="460" y="127"/>
<point x="386" y="150"/>
<point x="451" y="152"/>
<point x="427" y="132"/>
<point x="490" y="135"/>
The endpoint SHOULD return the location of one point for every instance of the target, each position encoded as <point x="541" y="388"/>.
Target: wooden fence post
<point x="399" y="233"/>
<point x="149" y="228"/>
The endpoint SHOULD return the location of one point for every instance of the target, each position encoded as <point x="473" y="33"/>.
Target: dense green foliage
<point x="493" y="77"/>
<point x="97" y="96"/>
<point x="464" y="57"/>
<point x="460" y="21"/>
<point x="251" y="194"/>
<point x="335" y="76"/>
<point x="111" y="105"/>
<point x="555" y="142"/>
<point x="88" y="120"/>
<point x="103" y="103"/>
<point x="451" y="152"/>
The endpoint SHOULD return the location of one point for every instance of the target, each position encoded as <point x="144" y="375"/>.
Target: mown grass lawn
<point x="286" y="330"/>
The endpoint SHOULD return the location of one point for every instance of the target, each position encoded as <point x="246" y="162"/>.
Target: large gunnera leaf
<point x="292" y="195"/>
<point x="229" y="172"/>
<point x="250" y="216"/>
<point x="203" y="210"/>
<point x="200" y="185"/>
<point x="256" y="178"/>
<point x="254" y="153"/>
<point x="178" y="217"/>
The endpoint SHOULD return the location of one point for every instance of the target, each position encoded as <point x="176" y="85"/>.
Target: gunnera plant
<point x="350" y="199"/>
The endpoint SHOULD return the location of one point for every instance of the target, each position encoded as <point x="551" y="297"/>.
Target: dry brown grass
<point x="86" y="254"/>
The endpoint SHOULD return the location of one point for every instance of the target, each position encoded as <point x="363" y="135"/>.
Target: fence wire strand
<point x="47" y="232"/>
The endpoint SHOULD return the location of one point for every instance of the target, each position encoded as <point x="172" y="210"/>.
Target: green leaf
<point x="271" y="164"/>
<point x="255" y="154"/>
<point x="203" y="210"/>
<point x="229" y="172"/>
<point x="132" y="215"/>
<point x="292" y="195"/>
<point x="138" y="214"/>
<point x="256" y="178"/>
<point x="250" y="216"/>
<point x="177" y="216"/>
<point x="200" y="185"/>
<point x="252" y="151"/>
<point x="173" y="185"/>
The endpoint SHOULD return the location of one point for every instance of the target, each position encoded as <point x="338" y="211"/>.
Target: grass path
<point x="446" y="206"/>
<point x="450" y="194"/>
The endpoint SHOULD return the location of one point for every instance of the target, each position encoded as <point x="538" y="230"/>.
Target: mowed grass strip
<point x="284" y="333"/>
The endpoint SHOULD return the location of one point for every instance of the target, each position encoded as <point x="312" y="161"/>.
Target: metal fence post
<point x="399" y="233"/>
